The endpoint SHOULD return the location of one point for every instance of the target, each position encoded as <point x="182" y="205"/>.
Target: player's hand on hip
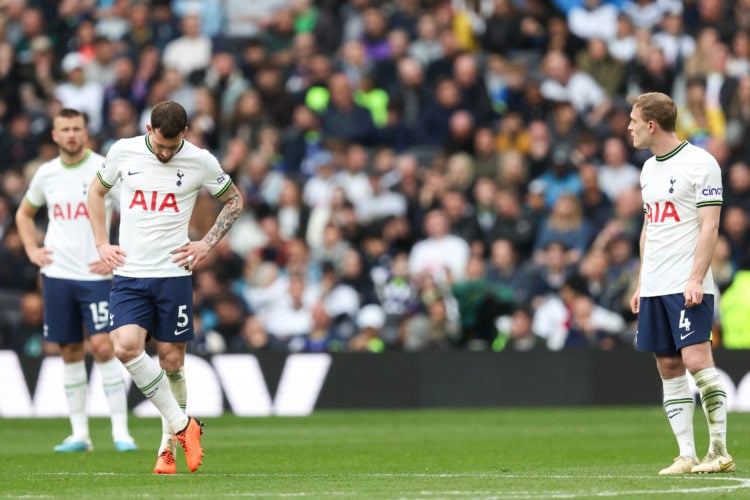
<point x="99" y="267"/>
<point x="693" y="293"/>
<point x="41" y="256"/>
<point x="112" y="255"/>
<point x="189" y="255"/>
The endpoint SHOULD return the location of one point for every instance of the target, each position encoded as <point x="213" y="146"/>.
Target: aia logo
<point x="154" y="202"/>
<point x="69" y="211"/>
<point x="660" y="213"/>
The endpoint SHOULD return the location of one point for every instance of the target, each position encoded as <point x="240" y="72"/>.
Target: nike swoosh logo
<point x="180" y="332"/>
<point x="714" y="409"/>
<point x="133" y="173"/>
<point x="683" y="337"/>
<point x="725" y="466"/>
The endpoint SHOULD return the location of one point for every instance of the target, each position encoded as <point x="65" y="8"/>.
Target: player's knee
<point x="670" y="366"/>
<point x="696" y="364"/>
<point x="102" y="348"/>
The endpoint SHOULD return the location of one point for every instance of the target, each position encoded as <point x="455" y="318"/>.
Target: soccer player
<point x="160" y="175"/>
<point x="76" y="282"/>
<point x="682" y="197"/>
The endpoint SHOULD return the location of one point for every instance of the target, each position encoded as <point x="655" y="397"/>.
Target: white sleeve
<point x="109" y="170"/>
<point x="708" y="187"/>
<point x="35" y="193"/>
<point x="214" y="178"/>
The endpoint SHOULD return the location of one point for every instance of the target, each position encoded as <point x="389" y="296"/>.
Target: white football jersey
<point x="156" y="201"/>
<point x="674" y="187"/>
<point x="63" y="188"/>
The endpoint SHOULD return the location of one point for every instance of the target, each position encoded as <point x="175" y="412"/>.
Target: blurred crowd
<point x="418" y="174"/>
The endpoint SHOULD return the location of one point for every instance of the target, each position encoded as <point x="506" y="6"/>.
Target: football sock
<point x="179" y="389"/>
<point x="117" y="397"/>
<point x="150" y="379"/>
<point x="75" y="381"/>
<point x="714" y="401"/>
<point x="679" y="406"/>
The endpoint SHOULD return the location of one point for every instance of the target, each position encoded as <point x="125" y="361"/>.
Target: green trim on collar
<point x="673" y="152"/>
<point x="148" y="145"/>
<point x="79" y="163"/>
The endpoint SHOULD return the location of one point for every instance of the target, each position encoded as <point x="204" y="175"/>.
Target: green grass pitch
<point x="423" y="454"/>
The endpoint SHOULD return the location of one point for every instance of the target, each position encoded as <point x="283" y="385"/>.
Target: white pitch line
<point x="741" y="483"/>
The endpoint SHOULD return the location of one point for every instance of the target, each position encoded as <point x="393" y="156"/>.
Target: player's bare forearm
<point x="708" y="218"/>
<point x="229" y="213"/>
<point x="97" y="211"/>
<point x="39" y="256"/>
<point x="642" y="245"/>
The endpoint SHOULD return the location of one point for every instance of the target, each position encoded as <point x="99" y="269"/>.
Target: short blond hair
<point x="658" y="107"/>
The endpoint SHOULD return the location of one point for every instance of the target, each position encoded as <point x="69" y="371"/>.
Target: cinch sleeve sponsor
<point x="708" y="186"/>
<point x="215" y="179"/>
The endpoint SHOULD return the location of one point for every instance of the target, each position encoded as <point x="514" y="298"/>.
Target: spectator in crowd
<point x="27" y="336"/>
<point x="608" y="71"/>
<point x="441" y="255"/>
<point x="615" y="172"/>
<point x="436" y="327"/>
<point x="736" y="229"/>
<point x="426" y="47"/>
<point x="252" y="337"/>
<point x="570" y="319"/>
<point x="462" y="217"/>
<point x="504" y="29"/>
<point x="699" y="120"/>
<point x="565" y="224"/>
<point x="434" y="117"/>
<point x="370" y="322"/>
<point x="513" y="222"/>
<point x="291" y="317"/>
<point x="721" y="264"/>
<point x="596" y="206"/>
<point x="480" y="302"/>
<point x="191" y="51"/>
<point x="78" y="93"/>
<point x="515" y="333"/>
<point x="593" y="19"/>
<point x="343" y="118"/>
<point x="225" y="80"/>
<point x="737" y="186"/>
<point x="16" y="271"/>
<point x="671" y="38"/>
<point x="564" y="83"/>
<point x="549" y="273"/>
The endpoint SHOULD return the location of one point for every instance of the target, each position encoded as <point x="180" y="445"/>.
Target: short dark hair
<point x="72" y="113"/>
<point x="169" y="118"/>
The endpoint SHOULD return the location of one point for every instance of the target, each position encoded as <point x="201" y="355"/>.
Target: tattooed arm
<point x="189" y="255"/>
<point x="229" y="213"/>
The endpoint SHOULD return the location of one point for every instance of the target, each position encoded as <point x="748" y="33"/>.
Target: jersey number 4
<point x="684" y="322"/>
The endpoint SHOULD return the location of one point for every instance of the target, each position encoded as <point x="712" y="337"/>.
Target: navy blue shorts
<point x="163" y="306"/>
<point x="665" y="325"/>
<point x="71" y="304"/>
